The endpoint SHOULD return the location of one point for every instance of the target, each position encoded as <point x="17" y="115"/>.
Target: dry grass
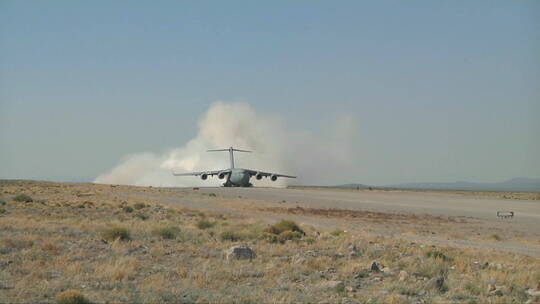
<point x="167" y="232"/>
<point x="285" y="226"/>
<point x="139" y="206"/>
<point x="114" y="233"/>
<point x="362" y="214"/>
<point x="23" y="198"/>
<point x="53" y="252"/>
<point x="521" y="195"/>
<point x="205" y="224"/>
<point x="71" y="296"/>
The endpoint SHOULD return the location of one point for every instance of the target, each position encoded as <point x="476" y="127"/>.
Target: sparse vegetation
<point x="167" y="232"/>
<point x="433" y="269"/>
<point x="139" y="206"/>
<point x="231" y="236"/>
<point x="17" y="244"/>
<point x="496" y="237"/>
<point x="2" y="202"/>
<point x="2" y="210"/>
<point x="59" y="245"/>
<point x="141" y="216"/>
<point x="113" y="233"/>
<point x="127" y="209"/>
<point x="23" y="198"/>
<point x="436" y="254"/>
<point x="283" y="231"/>
<point x="284" y="225"/>
<point x="337" y="232"/>
<point x="289" y="236"/>
<point x="71" y="296"/>
<point x="205" y="224"/>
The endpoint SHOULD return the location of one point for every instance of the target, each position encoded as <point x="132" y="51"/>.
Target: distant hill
<point x="514" y="184"/>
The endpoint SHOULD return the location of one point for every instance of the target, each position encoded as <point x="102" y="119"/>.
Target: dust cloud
<point x="277" y="149"/>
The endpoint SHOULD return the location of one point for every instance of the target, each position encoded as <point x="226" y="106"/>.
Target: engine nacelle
<point x="273" y="178"/>
<point x="221" y="175"/>
<point x="204" y="176"/>
<point x="258" y="176"/>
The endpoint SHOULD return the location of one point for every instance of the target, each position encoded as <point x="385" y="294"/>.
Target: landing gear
<point x="229" y="184"/>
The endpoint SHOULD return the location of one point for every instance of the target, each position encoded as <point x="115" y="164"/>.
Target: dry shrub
<point x="127" y="209"/>
<point x="496" y="237"/>
<point x="205" y="224"/>
<point x="167" y="232"/>
<point x="232" y="236"/>
<point x="139" y="206"/>
<point x="284" y="225"/>
<point x="182" y="271"/>
<point x="118" y="270"/>
<point x="86" y="204"/>
<point x="24" y="198"/>
<point x="337" y="232"/>
<point x="50" y="247"/>
<point x="283" y="237"/>
<point x="71" y="296"/>
<point x="17" y="244"/>
<point x="433" y="269"/>
<point x="436" y="254"/>
<point x="290" y="235"/>
<point x="141" y="216"/>
<point x="283" y="231"/>
<point x="115" y="233"/>
<point x="319" y="263"/>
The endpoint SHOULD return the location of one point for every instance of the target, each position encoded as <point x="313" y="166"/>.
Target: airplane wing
<point x="208" y="173"/>
<point x="266" y="174"/>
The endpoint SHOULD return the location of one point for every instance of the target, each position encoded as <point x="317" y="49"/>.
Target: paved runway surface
<point x="527" y="212"/>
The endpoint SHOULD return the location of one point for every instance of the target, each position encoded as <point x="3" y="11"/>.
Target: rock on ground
<point x="403" y="275"/>
<point x="354" y="251"/>
<point x="375" y="266"/>
<point x="240" y="252"/>
<point x="436" y="283"/>
<point x="533" y="293"/>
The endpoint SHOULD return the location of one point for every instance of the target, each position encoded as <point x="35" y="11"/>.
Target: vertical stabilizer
<point x="231" y="153"/>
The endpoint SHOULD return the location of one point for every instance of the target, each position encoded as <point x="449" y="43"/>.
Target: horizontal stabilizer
<point x="222" y="150"/>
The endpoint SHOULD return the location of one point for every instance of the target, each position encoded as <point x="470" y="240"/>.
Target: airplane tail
<point x="231" y="153"/>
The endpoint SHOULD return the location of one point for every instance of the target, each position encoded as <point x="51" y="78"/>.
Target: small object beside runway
<point x="505" y="214"/>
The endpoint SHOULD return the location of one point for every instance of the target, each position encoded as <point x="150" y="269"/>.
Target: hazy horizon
<point x="376" y="93"/>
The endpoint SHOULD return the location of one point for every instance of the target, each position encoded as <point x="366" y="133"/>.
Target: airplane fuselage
<point x="238" y="178"/>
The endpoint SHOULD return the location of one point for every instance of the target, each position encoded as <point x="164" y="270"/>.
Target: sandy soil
<point x="437" y="217"/>
<point x="442" y="218"/>
<point x="124" y="244"/>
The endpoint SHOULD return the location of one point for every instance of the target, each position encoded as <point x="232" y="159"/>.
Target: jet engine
<point x="204" y="176"/>
<point x="221" y="175"/>
<point x="273" y="178"/>
<point x="258" y="176"/>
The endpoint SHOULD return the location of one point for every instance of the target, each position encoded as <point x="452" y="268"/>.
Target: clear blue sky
<point x="442" y="90"/>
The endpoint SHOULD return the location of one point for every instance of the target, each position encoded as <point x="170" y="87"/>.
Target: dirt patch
<point x="364" y="215"/>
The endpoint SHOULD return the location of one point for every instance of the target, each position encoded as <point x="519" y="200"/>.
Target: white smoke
<point x="276" y="149"/>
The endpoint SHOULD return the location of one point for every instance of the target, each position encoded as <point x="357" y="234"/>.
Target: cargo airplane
<point x="235" y="177"/>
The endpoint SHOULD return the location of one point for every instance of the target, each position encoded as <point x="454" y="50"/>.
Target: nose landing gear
<point x="229" y="184"/>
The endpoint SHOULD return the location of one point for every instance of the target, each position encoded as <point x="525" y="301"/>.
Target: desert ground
<point x="90" y="243"/>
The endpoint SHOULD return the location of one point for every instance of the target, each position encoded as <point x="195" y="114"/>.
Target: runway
<point x="527" y="212"/>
